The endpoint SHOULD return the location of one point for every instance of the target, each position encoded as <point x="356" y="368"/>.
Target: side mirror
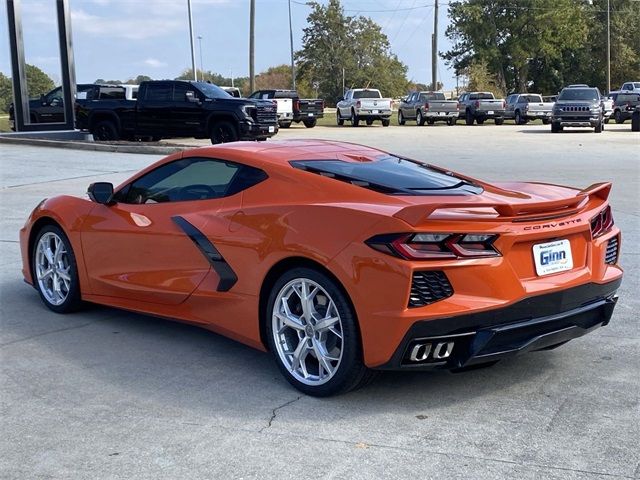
<point x="43" y="101"/>
<point x="341" y="99"/>
<point x="101" y="192"/>
<point x="191" y="97"/>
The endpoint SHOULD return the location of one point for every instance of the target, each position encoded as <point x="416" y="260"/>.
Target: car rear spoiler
<point x="514" y="212"/>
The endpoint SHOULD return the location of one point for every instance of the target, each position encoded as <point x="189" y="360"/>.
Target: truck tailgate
<point x="443" y="105"/>
<point x="490" y="105"/>
<point x="375" y="103"/>
<point x="306" y="106"/>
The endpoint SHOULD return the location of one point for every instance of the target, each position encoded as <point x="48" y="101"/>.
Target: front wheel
<point x="313" y="335"/>
<point x="401" y="120"/>
<point x="285" y="124"/>
<point x="223" y="132"/>
<point x="105" y="131"/>
<point x="55" y="272"/>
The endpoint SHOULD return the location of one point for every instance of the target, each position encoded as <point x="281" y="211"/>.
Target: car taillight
<point x="477" y="103"/>
<point x="296" y="105"/>
<point x="426" y="106"/>
<point x="458" y="106"/>
<point x="602" y="223"/>
<point x="358" y="104"/>
<point x="434" y="246"/>
<point x="504" y="104"/>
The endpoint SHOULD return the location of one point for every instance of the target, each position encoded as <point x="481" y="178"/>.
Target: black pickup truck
<point x="292" y="108"/>
<point x="176" y="108"/>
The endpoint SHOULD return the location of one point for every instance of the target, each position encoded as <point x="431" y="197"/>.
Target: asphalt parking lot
<point x="110" y="394"/>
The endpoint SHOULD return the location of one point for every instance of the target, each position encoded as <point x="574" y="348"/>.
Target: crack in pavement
<point x="20" y="340"/>
<point x="274" y="413"/>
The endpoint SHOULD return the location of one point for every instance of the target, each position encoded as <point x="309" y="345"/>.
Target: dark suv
<point x="578" y="106"/>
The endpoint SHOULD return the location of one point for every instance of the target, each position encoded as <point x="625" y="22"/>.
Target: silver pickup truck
<point x="428" y="107"/>
<point x="480" y="106"/>
<point x="363" y="104"/>
<point x="523" y="107"/>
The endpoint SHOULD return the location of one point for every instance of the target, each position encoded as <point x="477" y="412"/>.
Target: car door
<point x="410" y="106"/>
<point x="511" y="106"/>
<point x="187" y="112"/>
<point x="147" y="246"/>
<point x="344" y="106"/>
<point x="154" y="110"/>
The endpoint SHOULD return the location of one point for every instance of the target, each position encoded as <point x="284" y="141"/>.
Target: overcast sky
<point x="119" y="39"/>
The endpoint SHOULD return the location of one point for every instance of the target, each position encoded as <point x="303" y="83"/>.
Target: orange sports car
<point x="338" y="258"/>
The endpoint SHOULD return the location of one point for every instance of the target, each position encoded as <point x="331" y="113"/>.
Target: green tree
<point x="514" y="37"/>
<point x="334" y="43"/>
<point x="274" y="77"/>
<point x="6" y="93"/>
<point x="38" y="82"/>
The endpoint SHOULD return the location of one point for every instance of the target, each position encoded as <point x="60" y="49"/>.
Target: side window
<point x="159" y="92"/>
<point x="180" y="92"/>
<point x="255" y="94"/>
<point x="55" y="96"/>
<point x="191" y="179"/>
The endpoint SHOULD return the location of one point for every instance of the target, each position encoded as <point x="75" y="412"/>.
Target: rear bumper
<point x="440" y="115"/>
<point x="535" y="323"/>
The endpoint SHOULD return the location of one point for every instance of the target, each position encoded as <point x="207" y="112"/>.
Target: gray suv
<point x="578" y="106"/>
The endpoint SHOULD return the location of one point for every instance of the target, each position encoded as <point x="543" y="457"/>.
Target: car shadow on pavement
<point x="143" y="357"/>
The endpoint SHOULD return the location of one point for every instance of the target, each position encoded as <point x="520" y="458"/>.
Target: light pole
<point x="193" y="51"/>
<point x="293" y="66"/>
<point x="608" y="46"/>
<point x="252" y="24"/>
<point x="201" y="64"/>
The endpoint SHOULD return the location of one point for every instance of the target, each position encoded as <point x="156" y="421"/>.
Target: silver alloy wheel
<point x="53" y="270"/>
<point x="307" y="331"/>
<point x="419" y="118"/>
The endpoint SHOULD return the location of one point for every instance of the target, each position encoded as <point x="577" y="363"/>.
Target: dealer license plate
<point x="374" y="111"/>
<point x="272" y="129"/>
<point x="309" y="114"/>
<point x="490" y="112"/>
<point x="552" y="257"/>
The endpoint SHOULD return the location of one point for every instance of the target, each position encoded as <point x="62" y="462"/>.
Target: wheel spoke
<point x="299" y="356"/>
<point x="49" y="255"/>
<point x="290" y="320"/>
<point x="44" y="274"/>
<point x="326" y="323"/>
<point x="64" y="274"/>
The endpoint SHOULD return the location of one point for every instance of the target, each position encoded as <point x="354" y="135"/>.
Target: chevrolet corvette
<point x="339" y="259"/>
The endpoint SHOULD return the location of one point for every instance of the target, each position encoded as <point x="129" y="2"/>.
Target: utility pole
<point x="193" y="50"/>
<point x="434" y="49"/>
<point x="201" y="63"/>
<point x="252" y="24"/>
<point x="608" y="46"/>
<point x="293" y="65"/>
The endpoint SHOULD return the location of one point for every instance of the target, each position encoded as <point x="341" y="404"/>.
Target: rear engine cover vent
<point x="611" y="256"/>
<point x="429" y="287"/>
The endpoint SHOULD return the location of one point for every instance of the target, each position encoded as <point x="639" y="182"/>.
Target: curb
<point x="97" y="147"/>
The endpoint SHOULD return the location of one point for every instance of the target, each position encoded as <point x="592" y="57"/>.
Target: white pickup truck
<point x="363" y="104"/>
<point x="283" y="102"/>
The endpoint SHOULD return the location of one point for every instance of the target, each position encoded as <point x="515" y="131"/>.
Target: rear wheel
<point x="500" y="121"/>
<point x="223" y="132"/>
<point x="354" y="119"/>
<point x="419" y="118"/>
<point x="452" y="121"/>
<point x="617" y="116"/>
<point x="310" y="123"/>
<point x="105" y="131"/>
<point x="545" y="121"/>
<point x="430" y="121"/>
<point x="635" y="121"/>
<point x="313" y="335"/>
<point x="401" y="120"/>
<point x="468" y="118"/>
<point x="479" y="121"/>
<point x="369" y="122"/>
<point x="386" y="122"/>
<point x="518" y="118"/>
<point x="55" y="272"/>
<point x="285" y="124"/>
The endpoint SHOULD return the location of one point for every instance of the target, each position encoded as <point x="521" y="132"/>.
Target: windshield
<point x="579" y="94"/>
<point x="432" y="96"/>
<point x="210" y="90"/>
<point x="367" y="94"/>
<point x="392" y="175"/>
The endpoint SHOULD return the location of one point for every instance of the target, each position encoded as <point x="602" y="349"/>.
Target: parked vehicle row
<point x="292" y="108"/>
<point x="523" y="107"/>
<point x="429" y="107"/>
<point x="363" y="104"/>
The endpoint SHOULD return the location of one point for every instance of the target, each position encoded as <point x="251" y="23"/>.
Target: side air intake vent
<point x="611" y="256"/>
<point x="429" y="287"/>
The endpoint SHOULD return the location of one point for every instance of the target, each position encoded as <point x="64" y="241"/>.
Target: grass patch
<point x="4" y="123"/>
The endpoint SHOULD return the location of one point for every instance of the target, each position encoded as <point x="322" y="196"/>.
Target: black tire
<point x="310" y="122"/>
<point x="617" y="116"/>
<point x="599" y="127"/>
<point x="518" y="118"/>
<point x="452" y="121"/>
<point x="369" y="122"/>
<point x="479" y="121"/>
<point x="635" y="121"/>
<point x="500" y="121"/>
<point x="105" y="131"/>
<point x="285" y="124"/>
<point x="386" y="122"/>
<point x="223" y="132"/>
<point x="73" y="300"/>
<point x="555" y="127"/>
<point x="430" y="121"/>
<point x="468" y="118"/>
<point x="401" y="120"/>
<point x="545" y="121"/>
<point x="419" y="118"/>
<point x="350" y="373"/>
<point x="339" y="119"/>
<point x="606" y="120"/>
<point x="355" y="121"/>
